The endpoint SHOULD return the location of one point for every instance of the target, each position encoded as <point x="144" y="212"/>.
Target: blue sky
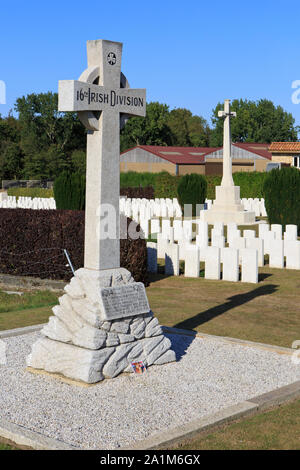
<point x="189" y="54"/>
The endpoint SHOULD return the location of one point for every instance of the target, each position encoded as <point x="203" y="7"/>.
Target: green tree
<point x="78" y="158"/>
<point x="256" y="121"/>
<point x="11" y="161"/>
<point x="48" y="137"/>
<point x="188" y="130"/>
<point x="11" y="156"/>
<point x="150" y="130"/>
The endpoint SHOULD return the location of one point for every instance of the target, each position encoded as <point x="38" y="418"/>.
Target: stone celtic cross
<point x="104" y="101"/>
<point x="227" y="160"/>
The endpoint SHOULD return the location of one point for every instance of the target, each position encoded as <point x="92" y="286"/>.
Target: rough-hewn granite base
<point x="80" y="341"/>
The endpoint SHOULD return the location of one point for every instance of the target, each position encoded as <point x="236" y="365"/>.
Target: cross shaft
<point x="99" y="99"/>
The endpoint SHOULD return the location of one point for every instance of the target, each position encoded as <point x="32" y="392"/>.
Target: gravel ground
<point x="209" y="375"/>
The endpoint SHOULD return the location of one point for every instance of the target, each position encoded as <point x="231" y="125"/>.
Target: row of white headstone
<point x="37" y="203"/>
<point x="141" y="209"/>
<point x="158" y="215"/>
<point x="246" y="250"/>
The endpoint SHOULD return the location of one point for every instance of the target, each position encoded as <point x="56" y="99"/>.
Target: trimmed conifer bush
<point x="69" y="191"/>
<point x="281" y="190"/>
<point x="192" y="189"/>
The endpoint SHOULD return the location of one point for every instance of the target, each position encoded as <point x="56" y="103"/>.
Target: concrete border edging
<point x="25" y="437"/>
<point x="250" y="407"/>
<point x="21" y="331"/>
<point x="187" y="430"/>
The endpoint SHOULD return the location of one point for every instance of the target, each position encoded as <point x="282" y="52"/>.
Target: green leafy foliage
<point x="78" y="159"/>
<point x="188" y="130"/>
<point x="251" y="183"/>
<point x="150" y="130"/>
<point x="212" y="182"/>
<point x="192" y="189"/>
<point x="166" y="185"/>
<point x="69" y="191"/>
<point x="135" y="180"/>
<point x="256" y="121"/>
<point x="47" y="136"/>
<point x="281" y="190"/>
<point x="178" y="127"/>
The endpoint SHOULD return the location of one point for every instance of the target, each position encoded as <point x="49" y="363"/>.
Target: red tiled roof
<point x="260" y="149"/>
<point x="180" y="155"/>
<point x="285" y="147"/>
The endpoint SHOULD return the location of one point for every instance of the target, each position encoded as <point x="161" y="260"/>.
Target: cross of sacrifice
<point x="227" y="160"/>
<point x="104" y="102"/>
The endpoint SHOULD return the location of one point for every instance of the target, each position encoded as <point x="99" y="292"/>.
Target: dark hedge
<point x="142" y="193"/>
<point x="281" y="190"/>
<point x="192" y="189"/>
<point x="32" y="244"/>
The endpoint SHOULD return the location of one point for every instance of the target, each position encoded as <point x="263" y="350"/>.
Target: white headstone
<point x="249" y="265"/>
<point x="276" y="257"/>
<point x="212" y="263"/>
<point x="152" y="257"/>
<point x="290" y="232"/>
<point x="257" y="244"/>
<point x="172" y="260"/>
<point x="162" y="244"/>
<point x="292" y="253"/>
<point x="230" y="264"/>
<point x="249" y="234"/>
<point x="277" y="229"/>
<point x="192" y="262"/>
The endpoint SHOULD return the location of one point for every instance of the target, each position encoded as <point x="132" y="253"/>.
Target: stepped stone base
<point x="85" y="341"/>
<point x="228" y="208"/>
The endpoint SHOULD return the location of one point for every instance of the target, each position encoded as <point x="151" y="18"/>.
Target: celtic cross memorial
<point x="103" y="100"/>
<point x="103" y="322"/>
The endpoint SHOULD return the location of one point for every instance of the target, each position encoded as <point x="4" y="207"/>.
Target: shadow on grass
<point x="263" y="276"/>
<point x="234" y="301"/>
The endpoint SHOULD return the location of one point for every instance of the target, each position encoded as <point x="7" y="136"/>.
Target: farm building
<point x="286" y="152"/>
<point x="203" y="160"/>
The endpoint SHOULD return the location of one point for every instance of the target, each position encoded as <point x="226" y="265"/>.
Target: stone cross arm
<point x="226" y="113"/>
<point x="76" y="96"/>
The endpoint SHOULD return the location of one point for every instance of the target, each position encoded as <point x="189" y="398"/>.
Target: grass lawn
<point x="277" y="429"/>
<point x="31" y="308"/>
<point x="6" y="446"/>
<point x="267" y="312"/>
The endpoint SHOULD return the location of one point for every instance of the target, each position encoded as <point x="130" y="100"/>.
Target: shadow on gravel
<point x="180" y="344"/>
<point x="234" y="301"/>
